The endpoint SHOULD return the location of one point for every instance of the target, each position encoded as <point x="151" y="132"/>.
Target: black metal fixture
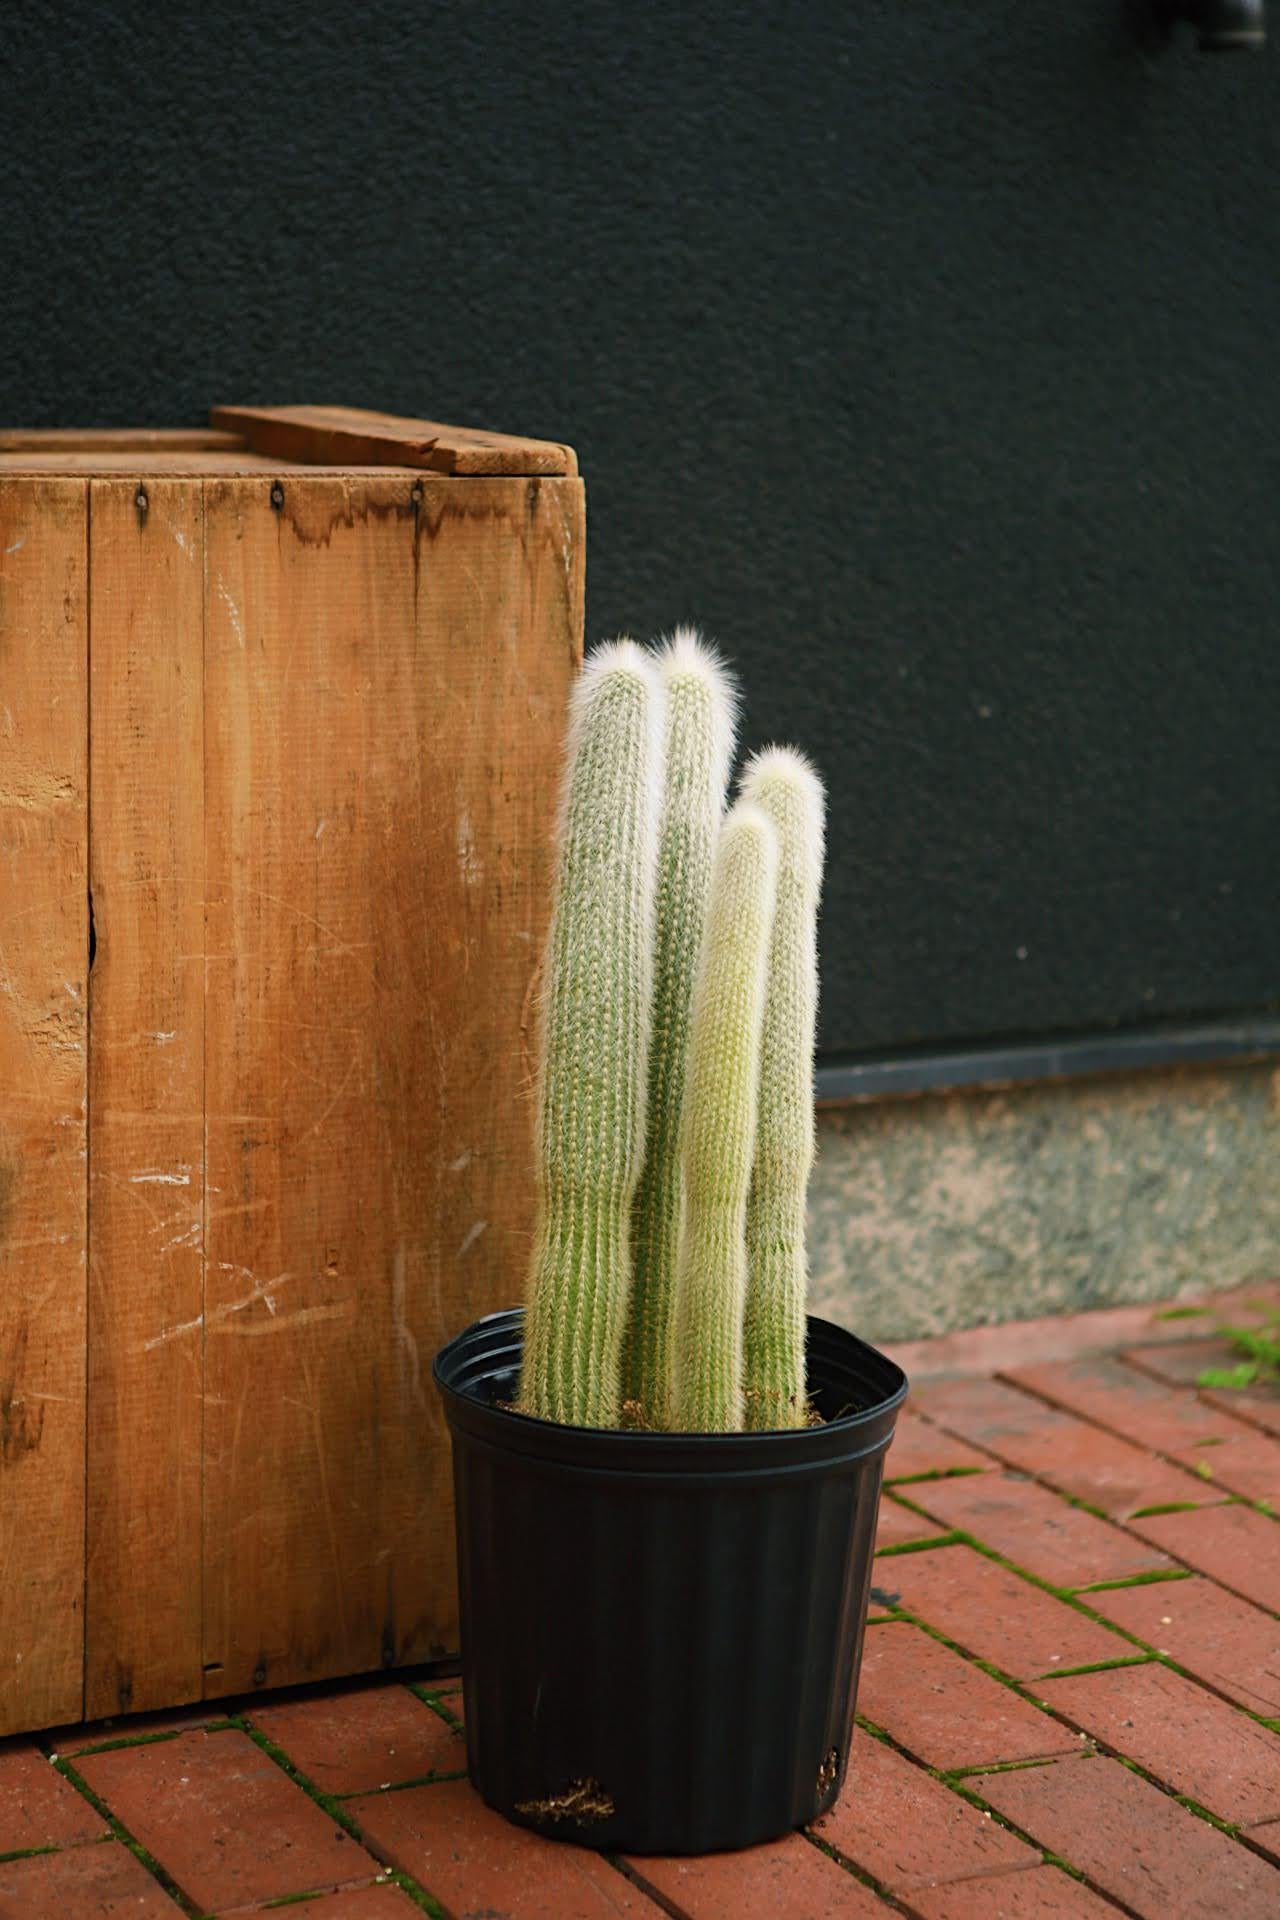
<point x="1222" y="26"/>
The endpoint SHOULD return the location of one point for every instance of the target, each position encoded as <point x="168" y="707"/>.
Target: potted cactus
<point x="667" y="1473"/>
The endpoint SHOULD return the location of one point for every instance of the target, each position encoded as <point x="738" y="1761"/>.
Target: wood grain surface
<point x="386" y="672"/>
<point x="146" y="1095"/>
<point x="126" y="440"/>
<point x="43" y="996"/>
<point x="326" y="434"/>
<point x="300" y="732"/>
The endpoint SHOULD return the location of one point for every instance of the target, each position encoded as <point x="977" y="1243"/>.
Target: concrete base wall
<point x="961" y="1209"/>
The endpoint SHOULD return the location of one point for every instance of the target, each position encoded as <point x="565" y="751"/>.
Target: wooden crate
<point x="280" y="720"/>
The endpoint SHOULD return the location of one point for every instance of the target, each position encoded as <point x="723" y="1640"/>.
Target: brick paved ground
<point x="1070" y="1703"/>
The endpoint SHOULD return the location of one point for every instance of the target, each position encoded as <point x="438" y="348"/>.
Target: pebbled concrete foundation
<point x="954" y="1210"/>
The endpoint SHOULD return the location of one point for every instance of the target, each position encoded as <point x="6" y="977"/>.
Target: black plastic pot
<point x="661" y="1632"/>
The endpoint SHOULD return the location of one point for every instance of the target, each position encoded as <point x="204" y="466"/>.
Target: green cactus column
<point x="719" y="1127"/>
<point x="786" y="788"/>
<point x="701" y="707"/>
<point x="594" y="1042"/>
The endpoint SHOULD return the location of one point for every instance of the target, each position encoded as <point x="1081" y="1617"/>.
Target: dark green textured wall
<point x="926" y="353"/>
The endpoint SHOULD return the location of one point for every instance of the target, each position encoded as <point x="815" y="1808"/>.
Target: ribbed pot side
<point x="661" y="1633"/>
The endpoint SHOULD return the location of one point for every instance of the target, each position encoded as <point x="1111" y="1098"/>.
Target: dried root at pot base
<point x="719" y="1127"/>
<point x="700" y="718"/>
<point x="786" y="788"/>
<point x="593" y="1058"/>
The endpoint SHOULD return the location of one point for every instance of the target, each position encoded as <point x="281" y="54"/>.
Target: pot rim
<point x="839" y="1359"/>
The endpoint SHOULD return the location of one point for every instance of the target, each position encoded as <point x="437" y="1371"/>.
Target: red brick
<point x="1267" y="1839"/>
<point x="87" y="1883"/>
<point x="1102" y="1387"/>
<point x="944" y="1709"/>
<point x="1189" y="1739"/>
<point x="38" y="1808"/>
<point x="1036" y="1529"/>
<point x="1259" y="1404"/>
<point x="353" y="1741"/>
<point x="1072" y="1455"/>
<point x="1046" y="1893"/>
<point x="993" y="1613"/>
<point x="1238" y="1457"/>
<point x="1218" y="1637"/>
<point x="1247" y="1463"/>
<point x="223" y="1820"/>
<point x="790" y="1877"/>
<point x="354" y="1903"/>
<point x="920" y="1447"/>
<point x="473" y="1861"/>
<point x="1017" y="1343"/>
<point x="907" y="1830"/>
<point x="1236" y="1546"/>
<point x="896" y="1524"/>
<point x="1135" y="1842"/>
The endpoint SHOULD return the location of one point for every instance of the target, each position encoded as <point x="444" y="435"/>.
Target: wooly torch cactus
<point x="701" y="712"/>
<point x="675" y="1134"/>
<point x="718" y="1136"/>
<point x="782" y="784"/>
<point x="595" y="1034"/>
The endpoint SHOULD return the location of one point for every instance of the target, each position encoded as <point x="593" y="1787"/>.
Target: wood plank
<point x="337" y="434"/>
<point x="385" y="689"/>
<point x="43" y="995"/>
<point x="146" y="1096"/>
<point x="116" y="440"/>
<point x="89" y="465"/>
<point x="88" y="462"/>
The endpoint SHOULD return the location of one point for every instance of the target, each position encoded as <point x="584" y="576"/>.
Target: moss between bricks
<point x="954" y="1782"/>
<point x="856" y="1872"/>
<point x="69" y="1773"/>
<point x="1147" y="1657"/>
<point x="933" y="1473"/>
<point x="1151" y="1579"/>
<point x="951" y="1776"/>
<point x="335" y="1811"/>
<point x="999" y="1819"/>
<point x="920" y="1546"/>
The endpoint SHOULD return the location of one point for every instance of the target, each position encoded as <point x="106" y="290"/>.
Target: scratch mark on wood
<point x="263" y="1290"/>
<point x="305" y="1316"/>
<point x="233" y="611"/>
<point x="189" y="1238"/>
<point x="473" y="1234"/>
<point x="469" y="863"/>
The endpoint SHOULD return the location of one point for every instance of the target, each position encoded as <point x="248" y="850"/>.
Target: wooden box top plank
<point x="278" y="439"/>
